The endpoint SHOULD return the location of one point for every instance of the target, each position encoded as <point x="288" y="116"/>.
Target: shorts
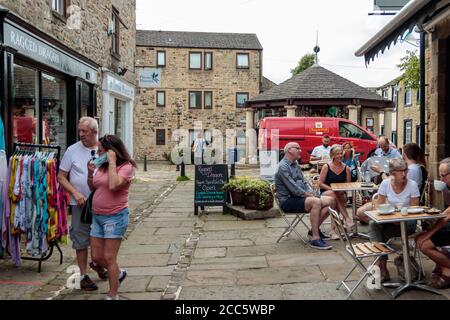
<point x="294" y="204"/>
<point x="110" y="226"/>
<point x="79" y="232"/>
<point x="442" y="237"/>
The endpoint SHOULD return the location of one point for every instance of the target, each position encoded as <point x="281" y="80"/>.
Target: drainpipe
<point x="422" y="90"/>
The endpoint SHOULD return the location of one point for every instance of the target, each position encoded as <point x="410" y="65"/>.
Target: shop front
<point x="45" y="86"/>
<point x="117" y="114"/>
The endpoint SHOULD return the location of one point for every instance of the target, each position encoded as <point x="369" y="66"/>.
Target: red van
<point x="308" y="133"/>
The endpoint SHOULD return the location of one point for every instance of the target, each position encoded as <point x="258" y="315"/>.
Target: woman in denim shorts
<point x="113" y="170"/>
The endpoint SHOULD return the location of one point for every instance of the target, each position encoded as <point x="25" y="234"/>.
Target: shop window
<point x="241" y="99"/>
<point x="54" y="110"/>
<point x="195" y="60"/>
<point x="161" y="59"/>
<point x="160" y="99"/>
<point x="208" y="61"/>
<point x="242" y="61"/>
<point x="26" y="105"/>
<point x="195" y="99"/>
<point x="115" y="33"/>
<point x="208" y="99"/>
<point x="160" y="137"/>
<point x="407" y="134"/>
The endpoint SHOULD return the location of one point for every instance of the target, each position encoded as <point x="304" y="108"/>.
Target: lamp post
<point x="179" y="111"/>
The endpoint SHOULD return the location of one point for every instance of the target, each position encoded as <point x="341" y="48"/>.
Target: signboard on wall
<point x="149" y="78"/>
<point x="389" y="5"/>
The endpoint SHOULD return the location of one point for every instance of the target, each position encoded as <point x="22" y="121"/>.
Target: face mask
<point x="101" y="160"/>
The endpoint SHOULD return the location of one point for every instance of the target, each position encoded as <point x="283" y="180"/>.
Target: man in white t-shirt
<point x="322" y="151"/>
<point x="72" y="176"/>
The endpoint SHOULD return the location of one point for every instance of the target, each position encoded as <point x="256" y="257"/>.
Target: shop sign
<point x="36" y="49"/>
<point x="119" y="87"/>
<point x="149" y="78"/>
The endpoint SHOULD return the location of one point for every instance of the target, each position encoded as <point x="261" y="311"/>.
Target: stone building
<point x="432" y="17"/>
<point x="319" y="92"/>
<point x="61" y="60"/>
<point x="188" y="78"/>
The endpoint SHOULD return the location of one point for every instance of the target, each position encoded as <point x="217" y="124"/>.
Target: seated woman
<point x="336" y="172"/>
<point x="415" y="158"/>
<point x="397" y="190"/>
<point x="349" y="160"/>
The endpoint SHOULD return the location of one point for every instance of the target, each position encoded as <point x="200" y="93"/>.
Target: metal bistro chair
<point x="292" y="224"/>
<point x="358" y="252"/>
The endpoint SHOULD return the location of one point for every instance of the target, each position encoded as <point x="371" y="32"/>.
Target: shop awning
<point x="414" y="13"/>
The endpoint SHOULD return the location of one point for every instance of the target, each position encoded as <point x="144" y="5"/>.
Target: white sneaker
<point x="108" y="297"/>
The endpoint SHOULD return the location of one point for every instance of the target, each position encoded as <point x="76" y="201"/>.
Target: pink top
<point x="105" y="201"/>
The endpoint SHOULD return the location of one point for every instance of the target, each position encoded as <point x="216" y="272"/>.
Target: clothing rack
<point x="52" y="244"/>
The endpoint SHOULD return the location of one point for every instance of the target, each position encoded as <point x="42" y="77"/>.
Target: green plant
<point x="410" y="65"/>
<point x="235" y="184"/>
<point x="260" y="188"/>
<point x="183" y="178"/>
<point x="305" y="62"/>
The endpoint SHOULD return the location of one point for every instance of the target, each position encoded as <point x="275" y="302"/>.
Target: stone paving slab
<point x="261" y="250"/>
<point x="143" y="260"/>
<point x="228" y="263"/>
<point x="210" y="252"/>
<point x="158" y="283"/>
<point x="141" y="296"/>
<point x="221" y="235"/>
<point x="223" y="243"/>
<point x="155" y="239"/>
<point x="150" y="271"/>
<point x="143" y="249"/>
<point x="176" y="231"/>
<point x="318" y="291"/>
<point x="233" y="225"/>
<point x="202" y="278"/>
<point x="261" y="292"/>
<point x="318" y="258"/>
<point x="280" y="275"/>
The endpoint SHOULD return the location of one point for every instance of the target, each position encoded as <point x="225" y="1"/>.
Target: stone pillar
<point x="353" y="113"/>
<point x="250" y="133"/>
<point x="381" y="121"/>
<point x="388" y="122"/>
<point x="290" y="111"/>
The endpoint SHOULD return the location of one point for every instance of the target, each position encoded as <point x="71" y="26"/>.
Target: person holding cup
<point x="431" y="241"/>
<point x="397" y="190"/>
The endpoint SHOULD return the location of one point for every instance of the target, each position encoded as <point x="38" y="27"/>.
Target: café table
<point x="353" y="187"/>
<point x="396" y="216"/>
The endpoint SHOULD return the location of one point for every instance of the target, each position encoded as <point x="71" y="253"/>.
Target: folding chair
<point x="292" y="224"/>
<point x="358" y="252"/>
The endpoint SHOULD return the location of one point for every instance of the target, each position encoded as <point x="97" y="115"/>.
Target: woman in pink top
<point x="111" y="182"/>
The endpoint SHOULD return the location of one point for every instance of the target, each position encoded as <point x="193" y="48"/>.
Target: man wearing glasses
<point x="432" y="241"/>
<point x="295" y="195"/>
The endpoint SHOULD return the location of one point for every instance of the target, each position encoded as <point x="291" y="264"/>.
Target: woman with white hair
<point x="398" y="190"/>
<point x="336" y="172"/>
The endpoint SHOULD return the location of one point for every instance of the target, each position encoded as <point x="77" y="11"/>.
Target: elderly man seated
<point x="431" y="241"/>
<point x="295" y="195"/>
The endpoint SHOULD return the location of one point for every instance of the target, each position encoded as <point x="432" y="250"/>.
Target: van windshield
<point x="348" y="130"/>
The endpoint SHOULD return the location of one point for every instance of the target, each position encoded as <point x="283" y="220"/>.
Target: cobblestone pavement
<point x="171" y="254"/>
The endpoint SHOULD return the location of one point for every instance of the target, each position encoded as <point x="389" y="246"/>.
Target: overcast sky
<point x="287" y="30"/>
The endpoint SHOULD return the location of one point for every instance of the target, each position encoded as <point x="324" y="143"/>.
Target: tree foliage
<point x="305" y="62"/>
<point x="410" y="66"/>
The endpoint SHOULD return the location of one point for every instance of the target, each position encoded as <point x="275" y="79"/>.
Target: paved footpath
<point x="171" y="254"/>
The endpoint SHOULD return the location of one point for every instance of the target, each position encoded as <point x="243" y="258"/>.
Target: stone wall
<point x="90" y="39"/>
<point x="224" y="81"/>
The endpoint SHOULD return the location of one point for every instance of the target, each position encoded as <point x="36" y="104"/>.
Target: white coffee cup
<point x="439" y="185"/>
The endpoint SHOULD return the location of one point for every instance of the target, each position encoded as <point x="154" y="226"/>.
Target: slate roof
<point x="317" y="83"/>
<point x="181" y="39"/>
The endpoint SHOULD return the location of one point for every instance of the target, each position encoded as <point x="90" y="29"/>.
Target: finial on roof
<point x="316" y="49"/>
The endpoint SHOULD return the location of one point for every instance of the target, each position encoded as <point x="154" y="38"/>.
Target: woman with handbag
<point x="111" y="182"/>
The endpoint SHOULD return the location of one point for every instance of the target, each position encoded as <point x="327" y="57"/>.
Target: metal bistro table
<point x="353" y="187"/>
<point x="397" y="217"/>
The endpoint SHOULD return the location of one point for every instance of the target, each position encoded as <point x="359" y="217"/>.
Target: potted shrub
<point x="258" y="195"/>
<point x="236" y="188"/>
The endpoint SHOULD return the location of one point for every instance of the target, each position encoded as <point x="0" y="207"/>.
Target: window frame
<point x="408" y="93"/>
<point x="189" y="60"/>
<point x="115" y="39"/>
<point x="204" y="60"/>
<point x="158" y="142"/>
<point x="237" y="60"/>
<point x="204" y="100"/>
<point x="62" y="12"/>
<point x="157" y="58"/>
<point x="200" y="100"/>
<point x="157" y="100"/>
<point x="405" y="122"/>
<point x="241" y="93"/>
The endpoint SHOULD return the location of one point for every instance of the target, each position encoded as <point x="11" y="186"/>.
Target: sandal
<point x="441" y="282"/>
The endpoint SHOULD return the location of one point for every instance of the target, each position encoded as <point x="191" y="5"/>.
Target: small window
<point x="195" y="99"/>
<point x="160" y="98"/>
<point x="242" y="61"/>
<point x="241" y="99"/>
<point x="59" y="6"/>
<point x="385" y="93"/>
<point x="195" y="60"/>
<point x="370" y="125"/>
<point x="407" y="137"/>
<point x="394" y="137"/>
<point x="160" y="137"/>
<point x="408" y="99"/>
<point x="418" y="141"/>
<point x="208" y="99"/>
<point x="208" y="60"/>
<point x="115" y="34"/>
<point x="160" y="58"/>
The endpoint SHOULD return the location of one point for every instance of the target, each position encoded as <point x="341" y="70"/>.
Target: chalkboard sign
<point x="209" y="180"/>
